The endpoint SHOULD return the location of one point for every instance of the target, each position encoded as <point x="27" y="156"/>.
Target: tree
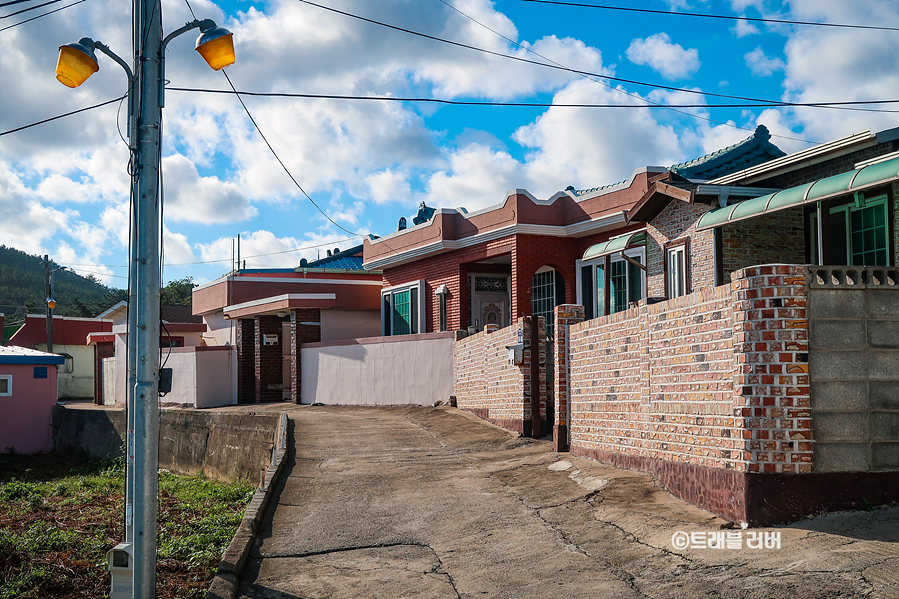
<point x="178" y="292"/>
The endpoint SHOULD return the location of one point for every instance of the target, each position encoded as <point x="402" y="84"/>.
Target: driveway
<point x="413" y="502"/>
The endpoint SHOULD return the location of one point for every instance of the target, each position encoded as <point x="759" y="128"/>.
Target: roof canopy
<point x="616" y="244"/>
<point x="822" y="189"/>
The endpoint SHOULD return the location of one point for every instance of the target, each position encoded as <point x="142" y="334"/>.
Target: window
<point x="547" y="292"/>
<point x="5" y="384"/>
<point x="677" y="271"/>
<point x="626" y="280"/>
<point x="402" y="312"/>
<point x="858" y="234"/>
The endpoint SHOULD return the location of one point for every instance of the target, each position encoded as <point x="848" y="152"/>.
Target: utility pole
<point x="48" y="294"/>
<point x="144" y="325"/>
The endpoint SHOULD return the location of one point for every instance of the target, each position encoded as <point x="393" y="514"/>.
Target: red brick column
<point x="305" y="327"/>
<point x="295" y="371"/>
<point x="771" y="389"/>
<point x="565" y="314"/>
<point x="269" y="361"/>
<point x="246" y="361"/>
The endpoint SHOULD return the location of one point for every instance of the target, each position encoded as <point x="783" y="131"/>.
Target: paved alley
<point x="412" y="502"/>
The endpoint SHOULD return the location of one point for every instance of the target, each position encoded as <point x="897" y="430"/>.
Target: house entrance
<point x="490" y="300"/>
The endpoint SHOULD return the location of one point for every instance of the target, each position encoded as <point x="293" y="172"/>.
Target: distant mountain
<point x="22" y="288"/>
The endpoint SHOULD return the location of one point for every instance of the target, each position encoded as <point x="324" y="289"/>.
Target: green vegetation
<point x="178" y="292"/>
<point x="23" y="289"/>
<point x="59" y="515"/>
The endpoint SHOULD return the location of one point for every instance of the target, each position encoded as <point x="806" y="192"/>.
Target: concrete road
<point x="409" y="502"/>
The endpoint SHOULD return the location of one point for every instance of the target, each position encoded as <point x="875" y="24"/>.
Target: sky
<point x="64" y="184"/>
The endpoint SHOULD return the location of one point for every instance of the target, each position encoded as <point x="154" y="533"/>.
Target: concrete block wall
<point x="488" y="386"/>
<point x="854" y="360"/>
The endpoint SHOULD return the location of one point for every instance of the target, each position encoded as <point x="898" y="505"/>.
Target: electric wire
<point x="5" y="4"/>
<point x="713" y="16"/>
<point x="30" y="8"/>
<point x="647" y="102"/>
<point x="542" y="64"/>
<point x="60" y="116"/>
<point x="281" y="162"/>
<point x="846" y="105"/>
<point x="42" y="15"/>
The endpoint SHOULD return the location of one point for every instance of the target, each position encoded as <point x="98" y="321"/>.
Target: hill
<point x="22" y="288"/>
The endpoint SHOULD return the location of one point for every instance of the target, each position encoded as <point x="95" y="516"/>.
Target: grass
<point x="59" y="515"/>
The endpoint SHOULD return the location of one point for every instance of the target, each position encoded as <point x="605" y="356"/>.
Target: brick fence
<point x="488" y="386"/>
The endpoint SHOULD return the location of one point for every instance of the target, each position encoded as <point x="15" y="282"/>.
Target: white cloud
<point x="761" y="65"/>
<point x="190" y="197"/>
<point x="389" y="185"/>
<point x="743" y="28"/>
<point x="670" y="60"/>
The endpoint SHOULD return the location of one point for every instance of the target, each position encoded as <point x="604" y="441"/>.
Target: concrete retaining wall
<point x="219" y="444"/>
<point x="406" y="369"/>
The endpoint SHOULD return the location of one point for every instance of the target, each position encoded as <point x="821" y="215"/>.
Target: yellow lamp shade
<point x="216" y="46"/>
<point x="76" y="63"/>
<point x="51" y="303"/>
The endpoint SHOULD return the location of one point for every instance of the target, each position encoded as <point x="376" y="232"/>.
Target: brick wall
<point x="777" y="238"/>
<point x="303" y="329"/>
<point x="678" y="221"/>
<point x="564" y="316"/>
<point x="246" y="361"/>
<point x="488" y="386"/>
<point x="269" y="361"/>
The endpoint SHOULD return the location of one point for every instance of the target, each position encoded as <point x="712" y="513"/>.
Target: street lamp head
<point x="77" y="62"/>
<point x="51" y="303"/>
<point x="216" y="46"/>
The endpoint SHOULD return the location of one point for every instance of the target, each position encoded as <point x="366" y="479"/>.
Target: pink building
<point x="27" y="397"/>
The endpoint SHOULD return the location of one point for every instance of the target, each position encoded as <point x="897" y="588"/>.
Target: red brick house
<point x="267" y="314"/>
<point x="730" y="324"/>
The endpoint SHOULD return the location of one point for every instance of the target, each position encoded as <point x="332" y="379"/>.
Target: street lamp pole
<point x="77" y="62"/>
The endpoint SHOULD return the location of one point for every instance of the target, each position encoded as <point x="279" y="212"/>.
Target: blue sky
<point x="63" y="185"/>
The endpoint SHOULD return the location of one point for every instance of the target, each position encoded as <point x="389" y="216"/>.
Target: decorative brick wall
<point x="677" y="221"/>
<point x="488" y="386"/>
<point x="305" y="327"/>
<point x="564" y="316"/>
<point x="269" y="362"/>
<point x="701" y="389"/>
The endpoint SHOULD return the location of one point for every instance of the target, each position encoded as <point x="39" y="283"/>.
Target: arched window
<point x="547" y="292"/>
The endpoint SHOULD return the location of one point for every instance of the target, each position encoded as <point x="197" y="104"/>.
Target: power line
<point x="713" y="16"/>
<point x="36" y="6"/>
<point x="543" y="64"/>
<point x="42" y="15"/>
<point x="847" y="105"/>
<point x="54" y="118"/>
<point x="5" y="4"/>
<point x="281" y="162"/>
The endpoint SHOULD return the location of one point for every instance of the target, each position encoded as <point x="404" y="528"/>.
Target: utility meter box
<point x="269" y="340"/>
<point x="516" y="354"/>
<point x="121" y="566"/>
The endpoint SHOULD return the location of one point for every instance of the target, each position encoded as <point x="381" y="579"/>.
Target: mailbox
<point x="121" y="567"/>
<point x="269" y="340"/>
<point x="516" y="354"/>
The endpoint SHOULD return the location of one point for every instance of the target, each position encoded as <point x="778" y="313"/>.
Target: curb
<point x="225" y="584"/>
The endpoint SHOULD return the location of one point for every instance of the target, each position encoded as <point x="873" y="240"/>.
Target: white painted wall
<point x="412" y="369"/>
<point x="76" y="376"/>
<point x="350" y="324"/>
<point x="203" y="379"/>
<point x="109" y="381"/>
<point x="220" y="331"/>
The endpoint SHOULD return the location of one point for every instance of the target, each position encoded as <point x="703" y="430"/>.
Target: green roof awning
<point x="616" y="244"/>
<point x="822" y="189"/>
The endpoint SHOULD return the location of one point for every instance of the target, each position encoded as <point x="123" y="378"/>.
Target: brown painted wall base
<point x="760" y="499"/>
<point x="560" y="437"/>
<point x="516" y="426"/>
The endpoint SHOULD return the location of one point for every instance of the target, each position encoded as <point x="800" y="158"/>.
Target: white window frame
<point x="879" y="200"/>
<point x="638" y="253"/>
<point x="677" y="277"/>
<point x="8" y="379"/>
<point x="419" y="286"/>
